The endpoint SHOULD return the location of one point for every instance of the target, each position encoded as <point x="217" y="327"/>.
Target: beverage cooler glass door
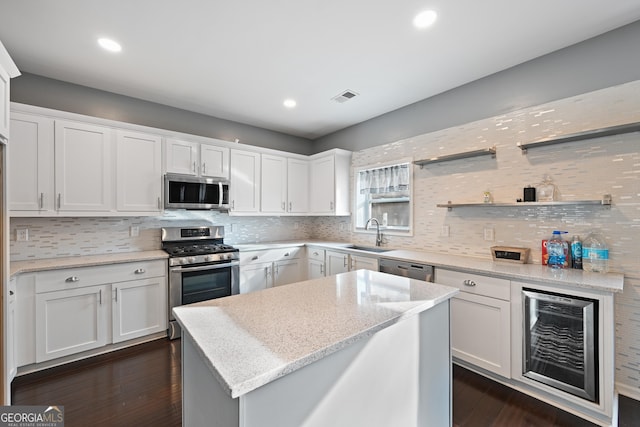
<point x="560" y="342"/>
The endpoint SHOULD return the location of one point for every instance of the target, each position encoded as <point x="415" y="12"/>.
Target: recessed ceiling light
<point x="289" y="103"/>
<point x="425" y="19"/>
<point x="110" y="45"/>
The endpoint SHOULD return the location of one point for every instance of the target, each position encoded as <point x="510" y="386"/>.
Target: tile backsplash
<point x="581" y="170"/>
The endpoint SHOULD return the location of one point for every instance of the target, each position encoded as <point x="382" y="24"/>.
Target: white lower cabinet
<point x="336" y="262"/>
<point x="287" y="271"/>
<point x="362" y="262"/>
<point x="315" y="263"/>
<point x="255" y="277"/>
<point x="480" y="320"/>
<point x="139" y="308"/>
<point x="341" y="262"/>
<point x="71" y="321"/>
<point x="271" y="267"/>
<point x="68" y="311"/>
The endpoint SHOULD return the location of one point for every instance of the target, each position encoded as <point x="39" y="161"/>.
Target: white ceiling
<point x="239" y="59"/>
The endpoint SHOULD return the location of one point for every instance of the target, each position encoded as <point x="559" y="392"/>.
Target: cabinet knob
<point x="72" y="279"/>
<point x="11" y="292"/>
<point x="140" y="271"/>
<point x="469" y="283"/>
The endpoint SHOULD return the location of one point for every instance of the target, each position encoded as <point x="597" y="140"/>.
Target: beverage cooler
<point x="560" y="342"/>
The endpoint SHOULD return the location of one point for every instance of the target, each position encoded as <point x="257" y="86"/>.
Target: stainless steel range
<point x="201" y="267"/>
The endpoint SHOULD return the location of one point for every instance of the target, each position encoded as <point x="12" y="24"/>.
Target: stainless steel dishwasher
<point x="411" y="270"/>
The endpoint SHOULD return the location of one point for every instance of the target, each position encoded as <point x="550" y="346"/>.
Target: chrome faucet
<point x="378" y="235"/>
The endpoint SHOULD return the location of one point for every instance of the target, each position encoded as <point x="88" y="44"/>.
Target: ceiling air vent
<point x="344" y="96"/>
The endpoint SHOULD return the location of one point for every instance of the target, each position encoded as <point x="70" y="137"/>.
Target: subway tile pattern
<point x="581" y="170"/>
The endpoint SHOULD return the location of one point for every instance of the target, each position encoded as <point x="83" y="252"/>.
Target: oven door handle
<point x="205" y="267"/>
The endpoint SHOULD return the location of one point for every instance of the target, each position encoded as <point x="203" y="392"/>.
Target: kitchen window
<point x="384" y="193"/>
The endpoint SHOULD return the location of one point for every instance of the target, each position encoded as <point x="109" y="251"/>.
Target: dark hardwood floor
<point x="140" y="386"/>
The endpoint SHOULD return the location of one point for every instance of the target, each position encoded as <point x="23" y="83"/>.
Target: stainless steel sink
<point x="368" y="248"/>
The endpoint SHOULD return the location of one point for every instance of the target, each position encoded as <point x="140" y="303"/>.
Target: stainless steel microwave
<point x="190" y="192"/>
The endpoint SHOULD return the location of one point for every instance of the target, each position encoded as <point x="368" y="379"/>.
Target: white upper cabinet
<point x="214" y="161"/>
<point x="197" y="159"/>
<point x="182" y="157"/>
<point x="83" y="167"/>
<point x="31" y="163"/>
<point x="245" y="182"/>
<point x="138" y="172"/>
<point x="284" y="185"/>
<point x="329" y="183"/>
<point x="297" y="186"/>
<point x="7" y="70"/>
<point x="273" y="194"/>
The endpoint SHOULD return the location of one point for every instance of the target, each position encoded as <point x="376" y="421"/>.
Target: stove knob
<point x="191" y="260"/>
<point x="210" y="258"/>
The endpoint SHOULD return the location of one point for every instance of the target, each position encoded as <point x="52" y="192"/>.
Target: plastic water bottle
<point x="595" y="254"/>
<point x="558" y="250"/>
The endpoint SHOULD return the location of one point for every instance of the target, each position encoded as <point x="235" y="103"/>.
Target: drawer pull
<point x="255" y="257"/>
<point x="316" y="254"/>
<point x="286" y="254"/>
<point x="140" y="271"/>
<point x="72" y="279"/>
<point x="469" y="283"/>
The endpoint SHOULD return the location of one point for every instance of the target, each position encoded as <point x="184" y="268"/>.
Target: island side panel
<point x="436" y="386"/>
<point x="400" y="376"/>
<point x="204" y="402"/>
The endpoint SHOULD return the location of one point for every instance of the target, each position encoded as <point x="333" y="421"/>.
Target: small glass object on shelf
<point x="486" y="198"/>
<point x="546" y="190"/>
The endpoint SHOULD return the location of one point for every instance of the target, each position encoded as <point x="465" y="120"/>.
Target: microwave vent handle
<point x="220" y="193"/>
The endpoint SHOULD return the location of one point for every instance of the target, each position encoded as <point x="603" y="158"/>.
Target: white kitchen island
<point x="357" y="349"/>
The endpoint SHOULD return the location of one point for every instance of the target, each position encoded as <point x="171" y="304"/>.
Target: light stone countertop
<point x="17" y="267"/>
<point x="610" y="282"/>
<point x="252" y="339"/>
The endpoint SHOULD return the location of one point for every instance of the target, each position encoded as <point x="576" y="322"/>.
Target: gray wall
<point x="607" y="60"/>
<point x="45" y="92"/>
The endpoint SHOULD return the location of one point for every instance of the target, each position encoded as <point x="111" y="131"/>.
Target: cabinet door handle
<point x="59" y="196"/>
<point x="204" y="168"/>
<point x="330" y="206"/>
<point x="159" y="203"/>
<point x="116" y="289"/>
<point x="266" y="272"/>
<point x="290" y="206"/>
<point x="140" y="271"/>
<point x="322" y="269"/>
<point x="72" y="279"/>
<point x="469" y="283"/>
<point x="283" y="206"/>
<point x="194" y="167"/>
<point x="345" y="260"/>
<point x="233" y="204"/>
<point x="100" y="296"/>
<point x="41" y="202"/>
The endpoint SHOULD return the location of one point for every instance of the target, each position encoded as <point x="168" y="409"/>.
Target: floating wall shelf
<point x="590" y="134"/>
<point x="605" y="201"/>
<point x="491" y="151"/>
